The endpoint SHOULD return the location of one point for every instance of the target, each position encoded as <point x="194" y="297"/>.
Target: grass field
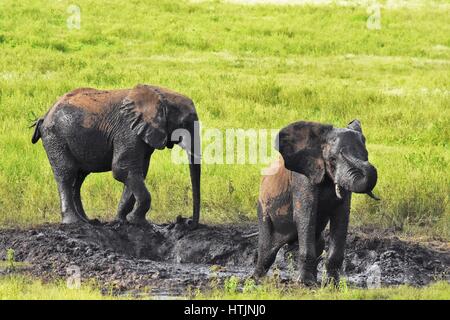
<point x="273" y="291"/>
<point x="245" y="67"/>
<point x="23" y="288"/>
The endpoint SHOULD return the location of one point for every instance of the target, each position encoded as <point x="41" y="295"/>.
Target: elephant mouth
<point x="338" y="190"/>
<point x="357" y="176"/>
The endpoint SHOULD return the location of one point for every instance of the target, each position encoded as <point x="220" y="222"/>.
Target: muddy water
<point x="169" y="260"/>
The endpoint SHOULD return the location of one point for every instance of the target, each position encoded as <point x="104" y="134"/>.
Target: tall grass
<point x="234" y="289"/>
<point x="18" y="287"/>
<point x="244" y="66"/>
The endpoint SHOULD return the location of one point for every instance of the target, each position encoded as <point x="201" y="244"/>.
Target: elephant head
<point x="163" y="118"/>
<point x="316" y="150"/>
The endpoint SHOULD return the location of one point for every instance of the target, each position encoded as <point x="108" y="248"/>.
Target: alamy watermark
<point x="74" y="19"/>
<point x="374" y="19"/>
<point x="225" y="146"/>
<point x="373" y="280"/>
<point x="73" y="277"/>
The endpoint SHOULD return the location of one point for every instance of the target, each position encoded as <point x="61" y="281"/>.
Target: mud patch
<point x="170" y="259"/>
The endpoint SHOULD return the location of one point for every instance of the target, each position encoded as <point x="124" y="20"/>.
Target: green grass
<point x="23" y="288"/>
<point x="273" y="291"/>
<point x="18" y="287"/>
<point x="245" y="67"/>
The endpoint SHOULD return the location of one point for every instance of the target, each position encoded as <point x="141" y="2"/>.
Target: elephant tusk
<point x="338" y="191"/>
<point x="370" y="194"/>
<point x="188" y="151"/>
<point x="196" y="156"/>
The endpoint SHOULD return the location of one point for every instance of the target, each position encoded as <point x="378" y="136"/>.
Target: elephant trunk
<point x="362" y="175"/>
<point x="195" y="171"/>
<point x="189" y="140"/>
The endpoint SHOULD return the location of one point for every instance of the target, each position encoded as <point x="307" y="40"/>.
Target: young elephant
<point x="89" y="130"/>
<point x="308" y="187"/>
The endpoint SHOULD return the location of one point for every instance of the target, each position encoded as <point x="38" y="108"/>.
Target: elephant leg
<point x="265" y="260"/>
<point x="126" y="204"/>
<point x="338" y="233"/>
<point x="320" y="246"/>
<point x="269" y="243"/>
<point x="128" y="200"/>
<point x="137" y="186"/>
<point x="321" y="223"/>
<point x="267" y="253"/>
<point x="65" y="171"/>
<point x="66" y="183"/>
<point x="131" y="172"/>
<point x="77" y="194"/>
<point x="305" y="212"/>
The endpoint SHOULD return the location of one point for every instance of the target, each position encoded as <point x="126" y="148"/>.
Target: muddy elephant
<point x="89" y="130"/>
<point x="309" y="186"/>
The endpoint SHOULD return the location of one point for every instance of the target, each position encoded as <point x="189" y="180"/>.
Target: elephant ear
<point x="355" y="125"/>
<point x="145" y="109"/>
<point x="300" y="144"/>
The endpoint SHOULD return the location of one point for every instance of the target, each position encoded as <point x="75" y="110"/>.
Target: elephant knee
<point x="119" y="174"/>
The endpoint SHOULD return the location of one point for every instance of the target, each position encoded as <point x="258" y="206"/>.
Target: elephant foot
<point x="307" y="279"/>
<point x="307" y="283"/>
<point x="332" y="279"/>
<point x="120" y="219"/>
<point x="137" y="220"/>
<point x="257" y="275"/>
<point x="72" y="218"/>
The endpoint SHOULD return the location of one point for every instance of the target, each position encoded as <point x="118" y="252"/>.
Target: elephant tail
<point x="37" y="133"/>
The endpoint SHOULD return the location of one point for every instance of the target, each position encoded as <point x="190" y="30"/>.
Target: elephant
<point x="310" y="185"/>
<point x="89" y="130"/>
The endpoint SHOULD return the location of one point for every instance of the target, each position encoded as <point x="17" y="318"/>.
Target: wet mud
<point x="171" y="260"/>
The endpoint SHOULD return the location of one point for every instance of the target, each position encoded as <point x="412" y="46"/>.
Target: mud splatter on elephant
<point x="89" y="130"/>
<point x="320" y="168"/>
